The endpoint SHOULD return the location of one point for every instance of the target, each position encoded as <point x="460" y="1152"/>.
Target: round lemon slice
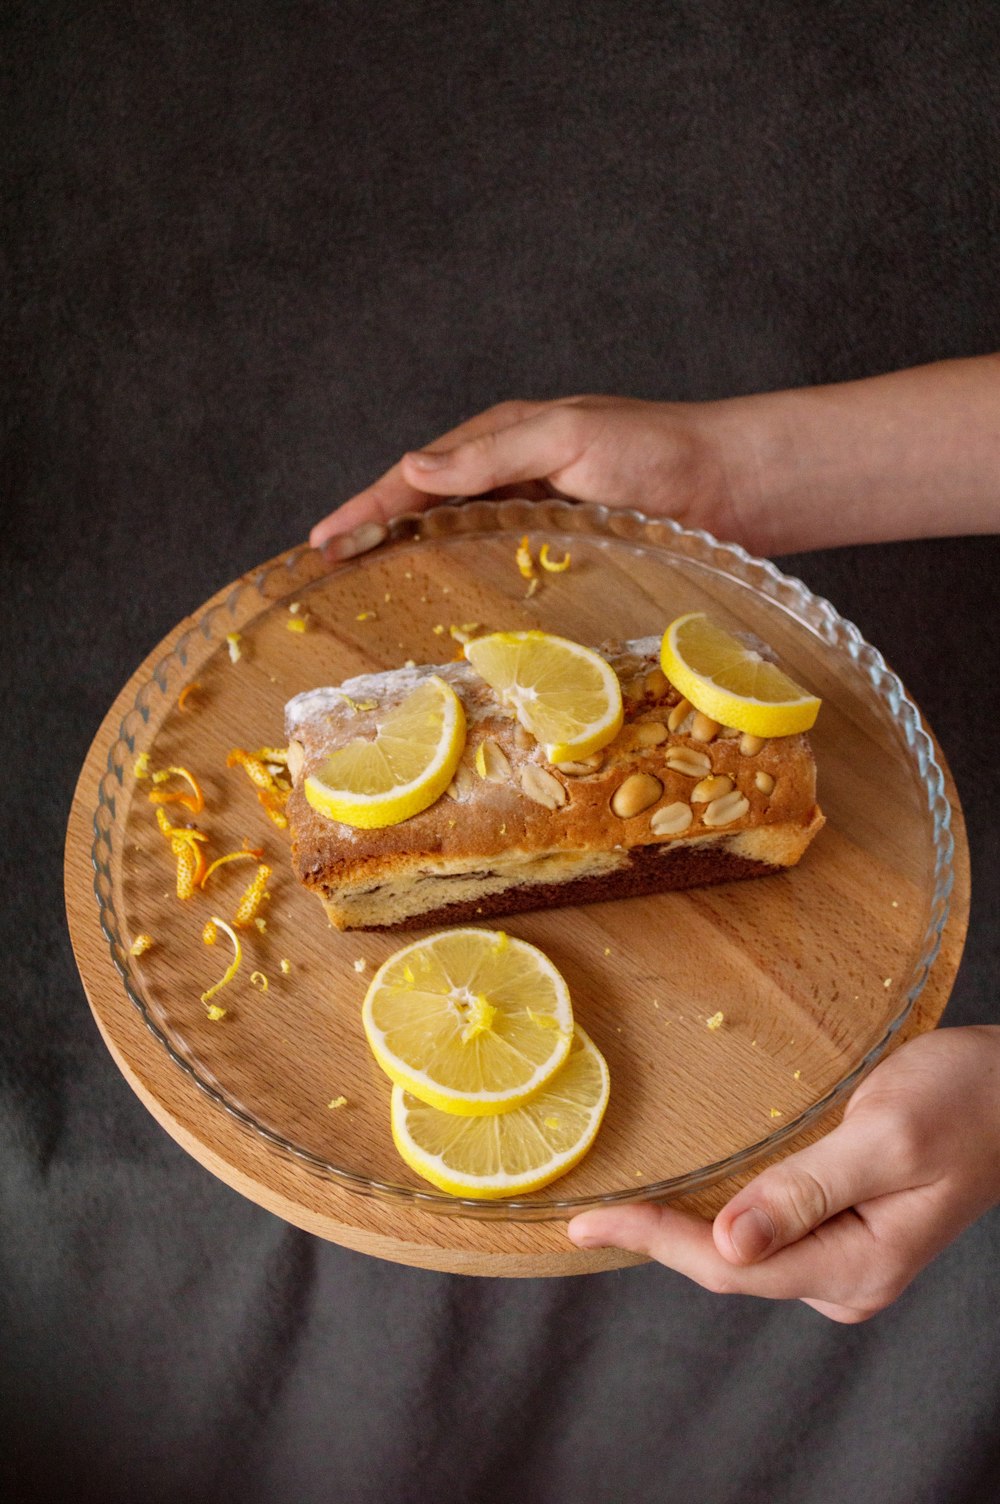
<point x="726" y="680"/>
<point x="470" y="1021"/>
<point x="566" y="695"/>
<point x="512" y="1152"/>
<point x="404" y="769"/>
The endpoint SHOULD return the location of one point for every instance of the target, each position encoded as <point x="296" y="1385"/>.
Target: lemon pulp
<point x="728" y="681"/>
<point x="402" y="770"/>
<point x="566" y="695"/>
<point x="512" y="1152"/>
<point x="470" y="1021"/>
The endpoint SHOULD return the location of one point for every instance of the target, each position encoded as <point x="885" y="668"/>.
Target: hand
<point x="847" y="1223"/>
<point x="906" y="455"/>
<point x="683" y="460"/>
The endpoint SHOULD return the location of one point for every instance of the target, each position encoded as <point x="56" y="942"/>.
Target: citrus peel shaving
<point x="194" y="801"/>
<point x="253" y="897"/>
<point x="209" y="935"/>
<point x="247" y="853"/>
<point x="554" y="566"/>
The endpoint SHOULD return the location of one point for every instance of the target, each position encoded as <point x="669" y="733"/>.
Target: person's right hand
<point x="682" y="460"/>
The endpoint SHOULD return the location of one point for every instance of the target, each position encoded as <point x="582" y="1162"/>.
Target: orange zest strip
<point x="182" y="698"/>
<point x="195" y="801"/>
<point x="190" y="863"/>
<point x="248" y="853"/>
<point x="253" y="897"/>
<point x="274" y="805"/>
<point x="210" y="934"/>
<point x="271" y="792"/>
<point x="183" y="832"/>
<point x="254" y="768"/>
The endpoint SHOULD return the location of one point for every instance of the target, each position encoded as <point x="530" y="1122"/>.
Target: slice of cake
<point x="673" y="801"/>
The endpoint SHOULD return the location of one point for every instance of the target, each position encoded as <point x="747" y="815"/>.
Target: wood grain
<point x="798" y="964"/>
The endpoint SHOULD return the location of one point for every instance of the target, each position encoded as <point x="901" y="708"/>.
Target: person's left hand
<point x="847" y="1223"/>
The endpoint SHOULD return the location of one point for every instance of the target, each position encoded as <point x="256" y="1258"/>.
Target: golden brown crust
<point x="492" y="827"/>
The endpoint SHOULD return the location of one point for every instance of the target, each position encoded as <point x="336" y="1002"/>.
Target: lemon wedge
<point x="402" y="770"/>
<point x="728" y="681"/>
<point x="513" y="1152"/>
<point x="470" y="1021"/>
<point x="566" y="695"/>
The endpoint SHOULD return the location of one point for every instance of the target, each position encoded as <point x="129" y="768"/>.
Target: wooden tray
<point x="817" y="972"/>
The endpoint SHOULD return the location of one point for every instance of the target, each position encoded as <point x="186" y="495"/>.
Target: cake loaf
<point x="674" y="801"/>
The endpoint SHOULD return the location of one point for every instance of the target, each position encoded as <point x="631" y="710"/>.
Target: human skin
<point x="847" y="1223"/>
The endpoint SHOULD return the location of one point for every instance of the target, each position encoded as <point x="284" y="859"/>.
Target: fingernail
<point x="369" y="535"/>
<point x="752" y="1233"/>
<point x="426" y="459"/>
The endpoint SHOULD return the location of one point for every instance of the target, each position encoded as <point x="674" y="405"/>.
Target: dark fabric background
<point x="255" y="251"/>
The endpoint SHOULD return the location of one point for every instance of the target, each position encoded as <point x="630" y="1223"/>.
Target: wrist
<point x="754" y="446"/>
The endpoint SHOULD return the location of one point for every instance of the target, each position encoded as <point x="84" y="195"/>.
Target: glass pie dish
<point x="813" y="970"/>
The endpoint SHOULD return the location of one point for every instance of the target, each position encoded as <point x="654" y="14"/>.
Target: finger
<point x="361" y="522"/>
<point x="854" y="1164"/>
<point x="831" y="1270"/>
<point x="540" y="445"/>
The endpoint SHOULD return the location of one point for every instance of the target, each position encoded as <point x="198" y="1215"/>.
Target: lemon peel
<point x="447" y="1018"/>
<point x="554" y="566"/>
<point x="731" y="683"/>
<point x="209" y="935"/>
<point x="512" y="1152"/>
<point x="566" y="695"/>
<point x="406" y="768"/>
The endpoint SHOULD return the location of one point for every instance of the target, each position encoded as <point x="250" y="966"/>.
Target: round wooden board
<point x="283" y="1183"/>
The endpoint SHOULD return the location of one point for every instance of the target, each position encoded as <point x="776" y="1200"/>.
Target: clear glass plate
<point x="814" y="970"/>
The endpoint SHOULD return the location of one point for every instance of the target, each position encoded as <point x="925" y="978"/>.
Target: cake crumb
<point x="796" y="1075"/>
<point x="360" y="964"/>
<point x="285" y="965"/>
<point x="365" y="616"/>
<point x="776" y="1112"/>
<point x="716" y="1021"/>
<point x="887" y="982"/>
<point x="337" y="1102"/>
<point x="140" y="945"/>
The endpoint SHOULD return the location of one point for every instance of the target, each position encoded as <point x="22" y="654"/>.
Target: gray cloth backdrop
<point x="256" y="251"/>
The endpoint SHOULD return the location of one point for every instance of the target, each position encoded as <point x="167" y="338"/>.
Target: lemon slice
<point x="512" y="1152"/>
<point x="728" y="681"/>
<point x="409" y="763"/>
<point x="566" y="695"/>
<point x="470" y="1021"/>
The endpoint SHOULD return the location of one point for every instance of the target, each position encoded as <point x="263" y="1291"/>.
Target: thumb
<point x="846" y="1168"/>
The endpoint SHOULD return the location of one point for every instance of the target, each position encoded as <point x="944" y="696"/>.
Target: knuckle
<point x="570" y="424"/>
<point x="799" y="1201"/>
<point x="905" y="1142"/>
<point x="481" y="453"/>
